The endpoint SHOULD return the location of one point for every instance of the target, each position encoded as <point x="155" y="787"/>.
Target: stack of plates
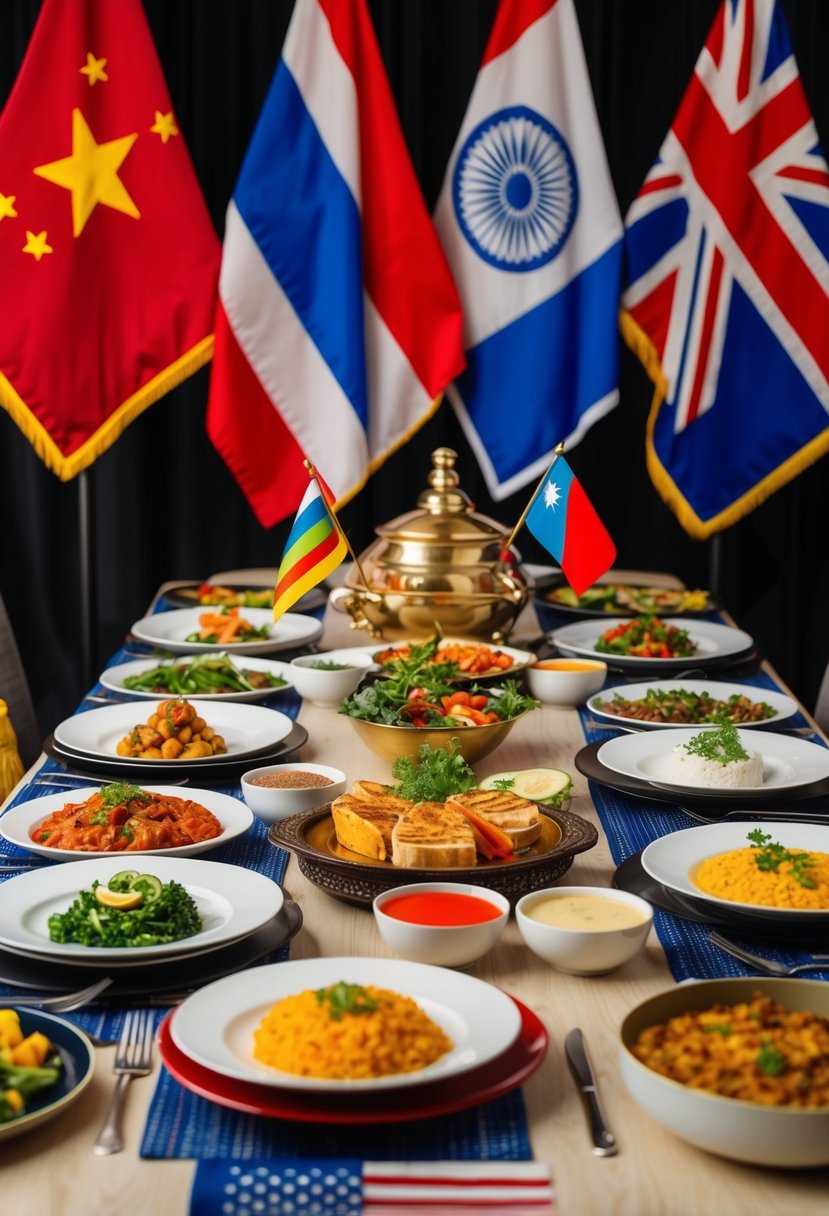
<point x="254" y="736"/>
<point x="640" y="764"/>
<point x="715" y="645"/>
<point x="245" y="916"/>
<point x="207" y="1044"/>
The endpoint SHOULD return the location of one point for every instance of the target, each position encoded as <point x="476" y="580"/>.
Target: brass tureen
<point x="441" y="563"/>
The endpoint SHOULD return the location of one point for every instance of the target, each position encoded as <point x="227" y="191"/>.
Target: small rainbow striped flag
<point x="314" y="548"/>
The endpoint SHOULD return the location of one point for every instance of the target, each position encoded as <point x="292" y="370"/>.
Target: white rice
<point x="690" y="769"/>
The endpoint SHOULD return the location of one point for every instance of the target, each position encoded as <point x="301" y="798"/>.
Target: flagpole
<point x="508" y="544"/>
<point x="312" y="473"/>
<point x="88" y="589"/>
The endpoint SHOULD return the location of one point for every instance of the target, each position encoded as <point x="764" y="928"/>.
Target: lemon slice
<point x="123" y="900"/>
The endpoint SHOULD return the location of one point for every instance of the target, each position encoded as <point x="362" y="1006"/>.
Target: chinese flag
<point x="109" y="256"/>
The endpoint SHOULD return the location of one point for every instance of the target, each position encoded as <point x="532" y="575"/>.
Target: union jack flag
<point x="727" y="279"/>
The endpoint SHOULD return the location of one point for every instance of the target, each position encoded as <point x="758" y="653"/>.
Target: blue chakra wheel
<point x="515" y="189"/>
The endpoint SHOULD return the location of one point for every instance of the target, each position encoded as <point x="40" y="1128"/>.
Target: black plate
<point x="713" y="604"/>
<point x="187" y="597"/>
<point x="631" y="876"/>
<point x="177" y="975"/>
<point x="215" y="773"/>
<point x="589" y="765"/>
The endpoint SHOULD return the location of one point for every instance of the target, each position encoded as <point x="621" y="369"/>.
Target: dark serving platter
<point x="358" y="880"/>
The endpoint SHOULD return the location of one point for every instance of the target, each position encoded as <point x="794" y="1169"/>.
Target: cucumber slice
<point x="123" y="880"/>
<point x="149" y="886"/>
<point x="500" y="781"/>
<point x="548" y="785"/>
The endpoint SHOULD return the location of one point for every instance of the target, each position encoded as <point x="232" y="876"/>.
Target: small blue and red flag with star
<point x="110" y="259"/>
<point x="565" y="522"/>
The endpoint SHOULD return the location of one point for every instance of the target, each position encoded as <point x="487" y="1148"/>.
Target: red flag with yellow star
<point x="109" y="257"/>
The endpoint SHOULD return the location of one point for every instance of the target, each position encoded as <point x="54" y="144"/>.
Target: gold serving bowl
<point x="475" y="742"/>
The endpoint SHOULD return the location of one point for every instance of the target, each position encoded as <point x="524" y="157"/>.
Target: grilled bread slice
<point x="432" y="836"/>
<point x="518" y="817"/>
<point x="364" y="827"/>
<point x="373" y="791"/>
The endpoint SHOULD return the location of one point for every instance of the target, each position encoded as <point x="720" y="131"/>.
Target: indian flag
<point x="314" y="549"/>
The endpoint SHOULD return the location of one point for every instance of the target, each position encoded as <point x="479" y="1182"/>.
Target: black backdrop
<point x="166" y="505"/>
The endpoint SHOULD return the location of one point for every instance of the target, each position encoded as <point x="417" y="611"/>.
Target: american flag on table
<point x="509" y="1188"/>
<point x="727" y="278"/>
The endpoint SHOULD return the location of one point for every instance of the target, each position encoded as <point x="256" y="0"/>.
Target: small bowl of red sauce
<point x="566" y="681"/>
<point x="447" y="924"/>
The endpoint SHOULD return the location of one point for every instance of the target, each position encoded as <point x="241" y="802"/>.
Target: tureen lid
<point x="445" y="514"/>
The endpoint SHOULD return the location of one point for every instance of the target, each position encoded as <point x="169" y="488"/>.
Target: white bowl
<point x="789" y="1137"/>
<point x="583" y="951"/>
<point x="322" y="687"/>
<point x="271" y="803"/>
<point x="441" y="945"/>
<point x="555" y="685"/>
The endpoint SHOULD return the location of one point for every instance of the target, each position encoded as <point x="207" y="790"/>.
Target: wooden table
<point x="53" y="1172"/>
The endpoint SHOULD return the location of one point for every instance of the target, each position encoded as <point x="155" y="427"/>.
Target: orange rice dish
<point x="383" y="1034"/>
<point x="149" y="821"/>
<point x="736" y="876"/>
<point x="757" y="1051"/>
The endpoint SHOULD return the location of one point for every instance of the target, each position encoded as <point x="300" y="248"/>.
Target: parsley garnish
<point x="722" y="745"/>
<point x="770" y="855"/>
<point x="436" y="776"/>
<point x="345" y="998"/>
<point x="119" y="794"/>
<point x="770" y="1061"/>
<point x="503" y="784"/>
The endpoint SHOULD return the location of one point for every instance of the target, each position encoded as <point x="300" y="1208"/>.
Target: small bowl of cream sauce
<point x="584" y="930"/>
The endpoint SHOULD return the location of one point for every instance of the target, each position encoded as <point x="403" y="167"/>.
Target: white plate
<point x="788" y="763"/>
<point x="16" y="824"/>
<point x="215" y="1025"/>
<point x="233" y="902"/>
<point x="672" y="859"/>
<point x="244" y="728"/>
<point x="113" y="678"/>
<point x="783" y="706"/>
<point x="167" y="631"/>
<point x="712" y="641"/>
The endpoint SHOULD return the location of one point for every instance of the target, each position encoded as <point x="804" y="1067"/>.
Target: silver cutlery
<point x="766" y="965"/>
<point x="750" y="816"/>
<point x="133" y="1058"/>
<point x="70" y="780"/>
<point x="65" y="1001"/>
<point x="604" y="1142"/>
<point x="16" y="867"/>
<point x="799" y="732"/>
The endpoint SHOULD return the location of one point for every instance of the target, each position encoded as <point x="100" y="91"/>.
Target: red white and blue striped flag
<point x="338" y="325"/>
<point x="727" y="278"/>
<point x="530" y="224"/>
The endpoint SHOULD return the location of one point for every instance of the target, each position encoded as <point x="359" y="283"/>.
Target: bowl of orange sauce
<point x="566" y="681"/>
<point x="447" y="924"/>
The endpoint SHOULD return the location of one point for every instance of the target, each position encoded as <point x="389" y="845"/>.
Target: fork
<point x="799" y="732"/>
<point x="767" y="966"/>
<point x="66" y="1000"/>
<point x="133" y="1058"/>
<point x="749" y="816"/>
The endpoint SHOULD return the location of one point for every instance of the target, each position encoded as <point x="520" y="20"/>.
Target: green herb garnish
<point x="327" y="665"/>
<point x="718" y="1028"/>
<point x="503" y="784"/>
<point x="722" y="745"/>
<point x="345" y="998"/>
<point x="770" y="1061"/>
<point x="100" y="817"/>
<point x="119" y="794"/>
<point x="435" y="776"/>
<point x="770" y="855"/>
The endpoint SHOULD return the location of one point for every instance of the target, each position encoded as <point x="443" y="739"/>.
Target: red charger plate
<point x="483" y="1084"/>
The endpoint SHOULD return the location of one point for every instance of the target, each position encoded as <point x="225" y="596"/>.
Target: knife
<point x="604" y="1142"/>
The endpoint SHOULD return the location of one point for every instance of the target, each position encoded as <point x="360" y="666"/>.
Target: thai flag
<point x="529" y="221"/>
<point x="338" y="325"/>
<point x="727" y="278"/>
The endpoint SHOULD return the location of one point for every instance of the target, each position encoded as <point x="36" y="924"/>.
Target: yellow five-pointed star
<point x="164" y="125"/>
<point x="36" y="245"/>
<point x="94" y="68"/>
<point x="7" y="206"/>
<point x="91" y="173"/>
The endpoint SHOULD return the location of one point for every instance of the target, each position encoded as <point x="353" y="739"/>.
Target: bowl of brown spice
<point x="279" y="790"/>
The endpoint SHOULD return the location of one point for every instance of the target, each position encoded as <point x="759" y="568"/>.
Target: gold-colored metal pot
<point x="439" y="564"/>
<point x="474" y="742"/>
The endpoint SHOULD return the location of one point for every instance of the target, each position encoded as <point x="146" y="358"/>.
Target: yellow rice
<point x="299" y="1035"/>
<point x="736" y="876"/>
<point x="723" y="1050"/>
